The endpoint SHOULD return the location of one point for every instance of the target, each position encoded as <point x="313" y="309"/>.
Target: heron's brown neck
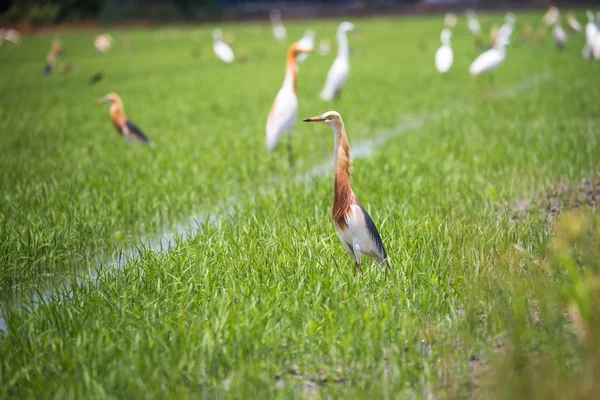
<point x="291" y="70"/>
<point x="116" y="110"/>
<point x="342" y="191"/>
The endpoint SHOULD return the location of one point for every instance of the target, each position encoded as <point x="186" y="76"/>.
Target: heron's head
<point x="330" y="118"/>
<point x="511" y="18"/>
<point x="111" y="98"/>
<point x="590" y="15"/>
<point x="296" y="50"/>
<point x="346" y="27"/>
<point x="217" y="33"/>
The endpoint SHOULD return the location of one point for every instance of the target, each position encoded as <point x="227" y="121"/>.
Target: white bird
<point x="473" y="23"/>
<point x="591" y="30"/>
<point x="450" y="20"/>
<point x="103" y="43"/>
<point x="306" y="42"/>
<point x="338" y="73"/>
<point x="279" y="31"/>
<point x="491" y="59"/>
<point x="574" y="25"/>
<point x="282" y="116"/>
<point x="222" y="49"/>
<point x="559" y="35"/>
<point x="10" y="35"/>
<point x="354" y="226"/>
<point x="596" y="46"/>
<point x="324" y="46"/>
<point x="507" y="29"/>
<point x="444" y="57"/>
<point x="551" y="16"/>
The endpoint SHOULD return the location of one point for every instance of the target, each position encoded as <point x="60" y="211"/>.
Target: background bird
<point x="591" y="31"/>
<point x="222" y="49"/>
<point x="444" y="57"/>
<point x="353" y="224"/>
<point x="282" y="117"/>
<point x="279" y="31"/>
<point x="124" y="126"/>
<point x="491" y="59"/>
<point x="559" y="35"/>
<point x="307" y="42"/>
<point x="338" y="73"/>
<point x="574" y="25"/>
<point x="103" y="43"/>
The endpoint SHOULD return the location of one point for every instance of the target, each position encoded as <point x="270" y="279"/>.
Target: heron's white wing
<point x="282" y="117"/>
<point x="336" y="78"/>
<point x="224" y="52"/>
<point x="444" y="58"/>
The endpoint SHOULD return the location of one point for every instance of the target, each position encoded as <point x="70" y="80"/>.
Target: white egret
<point x="338" y="73"/>
<point x="354" y="226"/>
<point x="491" y="59"/>
<point x="324" y="47"/>
<point x="222" y="49"/>
<point x="591" y="30"/>
<point x="507" y="29"/>
<point x="473" y="23"/>
<point x="103" y="43"/>
<point x="444" y="57"/>
<point x="450" y="20"/>
<point x="279" y="31"/>
<point x="574" y="25"/>
<point x="307" y="42"/>
<point x="282" y="116"/>
<point x="559" y="35"/>
<point x="551" y="16"/>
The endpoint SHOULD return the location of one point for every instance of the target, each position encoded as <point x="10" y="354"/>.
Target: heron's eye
<point x="330" y="116"/>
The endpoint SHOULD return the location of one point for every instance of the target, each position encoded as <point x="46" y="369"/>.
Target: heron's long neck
<point x="291" y="72"/>
<point x="343" y="48"/>
<point x="342" y="197"/>
<point x="116" y="110"/>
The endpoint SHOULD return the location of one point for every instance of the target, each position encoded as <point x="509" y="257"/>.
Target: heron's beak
<point x="320" y="118"/>
<point x="103" y="100"/>
<point x="305" y="50"/>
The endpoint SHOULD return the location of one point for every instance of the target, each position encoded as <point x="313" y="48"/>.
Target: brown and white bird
<point x="124" y="126"/>
<point x="353" y="225"/>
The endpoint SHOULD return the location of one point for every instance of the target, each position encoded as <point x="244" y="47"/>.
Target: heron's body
<point x="559" y="35"/>
<point x="123" y="125"/>
<point x="102" y="43"/>
<point x="489" y="60"/>
<point x="55" y="51"/>
<point x="354" y="226"/>
<point x="473" y="24"/>
<point x="591" y="33"/>
<point x="282" y="116"/>
<point x="444" y="57"/>
<point x="574" y="25"/>
<point x="339" y="71"/>
<point x="222" y="49"/>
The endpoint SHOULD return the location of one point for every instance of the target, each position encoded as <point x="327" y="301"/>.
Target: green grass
<point x="264" y="284"/>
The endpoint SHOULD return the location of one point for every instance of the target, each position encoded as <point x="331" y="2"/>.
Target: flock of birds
<point x="354" y="226"/>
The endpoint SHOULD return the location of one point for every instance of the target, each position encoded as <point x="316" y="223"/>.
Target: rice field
<point x="206" y="267"/>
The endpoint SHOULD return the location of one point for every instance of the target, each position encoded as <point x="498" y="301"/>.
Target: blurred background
<point x="30" y="14"/>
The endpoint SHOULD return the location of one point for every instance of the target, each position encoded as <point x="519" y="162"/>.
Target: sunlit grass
<point x="263" y="300"/>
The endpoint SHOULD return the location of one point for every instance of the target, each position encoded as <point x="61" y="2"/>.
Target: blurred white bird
<point x="551" y="16"/>
<point x="307" y="42"/>
<point x="491" y="59"/>
<point x="102" y="43"/>
<point x="324" y="47"/>
<point x="591" y="31"/>
<point x="473" y="23"/>
<point x="444" y="57"/>
<point x="338" y="73"/>
<point x="559" y="35"/>
<point x="282" y="116"/>
<point x="279" y="31"/>
<point x="507" y="29"/>
<point x="596" y="46"/>
<point x="574" y="25"/>
<point x="10" y="35"/>
<point x="450" y="20"/>
<point x="222" y="49"/>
